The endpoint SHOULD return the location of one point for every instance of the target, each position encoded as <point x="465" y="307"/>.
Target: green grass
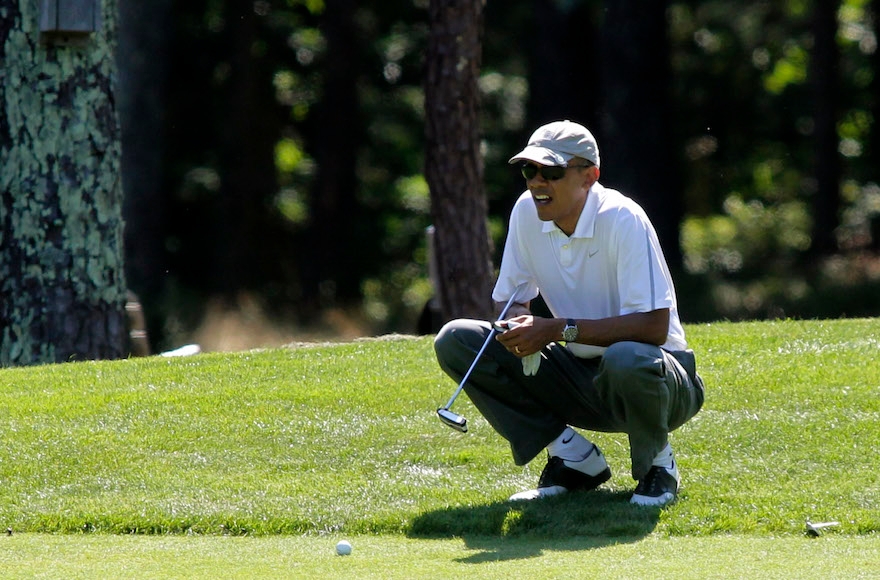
<point x="395" y="556"/>
<point x="300" y="445"/>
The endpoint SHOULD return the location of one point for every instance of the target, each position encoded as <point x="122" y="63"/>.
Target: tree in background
<point x="752" y="87"/>
<point x="341" y="131"/>
<point x="143" y="60"/>
<point x="303" y="191"/>
<point x="874" y="101"/>
<point x="62" y="287"/>
<point x="453" y="165"/>
<point x="565" y="61"/>
<point x="226" y="124"/>
<point x="826" y="84"/>
<point x="277" y="150"/>
<point x="874" y="109"/>
<point x="331" y="273"/>
<point x="639" y="156"/>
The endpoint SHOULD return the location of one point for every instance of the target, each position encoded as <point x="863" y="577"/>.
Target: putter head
<point x="454" y="420"/>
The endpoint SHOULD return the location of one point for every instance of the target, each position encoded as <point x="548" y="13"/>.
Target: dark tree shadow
<point x="515" y="530"/>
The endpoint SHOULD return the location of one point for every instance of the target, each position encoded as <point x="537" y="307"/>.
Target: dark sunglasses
<point x="550" y="172"/>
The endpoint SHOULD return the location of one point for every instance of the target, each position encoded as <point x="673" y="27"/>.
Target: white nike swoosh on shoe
<point x="540" y="493"/>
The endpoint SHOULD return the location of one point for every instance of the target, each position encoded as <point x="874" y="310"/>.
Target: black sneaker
<point x="658" y="488"/>
<point x="558" y="478"/>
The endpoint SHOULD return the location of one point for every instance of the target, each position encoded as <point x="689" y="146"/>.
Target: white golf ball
<point x="343" y="548"/>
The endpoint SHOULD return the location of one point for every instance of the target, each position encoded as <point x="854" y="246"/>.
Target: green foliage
<point x="742" y="112"/>
<point x="343" y="438"/>
<point x="791" y="68"/>
<point x="746" y="237"/>
<point x="751" y="193"/>
<point x="313" y="6"/>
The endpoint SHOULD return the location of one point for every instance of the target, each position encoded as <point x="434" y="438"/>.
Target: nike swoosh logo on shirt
<point x="593" y="253"/>
<point x="566" y="441"/>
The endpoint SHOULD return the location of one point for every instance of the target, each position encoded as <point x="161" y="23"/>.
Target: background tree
<point x="62" y="288"/>
<point x="143" y="60"/>
<point x="873" y="108"/>
<point x="264" y="140"/>
<point x="337" y="119"/>
<point x="453" y="165"/>
<point x="824" y="70"/>
<point x="225" y="236"/>
<point x="336" y="230"/>
<point x="564" y="63"/>
<point x="633" y="73"/>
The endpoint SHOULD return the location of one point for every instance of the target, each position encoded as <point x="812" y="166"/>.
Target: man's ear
<point x="592" y="175"/>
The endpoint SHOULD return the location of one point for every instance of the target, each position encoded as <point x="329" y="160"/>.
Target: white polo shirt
<point x="611" y="265"/>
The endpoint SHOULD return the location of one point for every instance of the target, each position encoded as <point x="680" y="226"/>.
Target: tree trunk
<point x="563" y="79"/>
<point x="243" y="254"/>
<point x="874" y="143"/>
<point x="62" y="288"/>
<point x="453" y="167"/>
<point x="333" y="270"/>
<point x="638" y="157"/>
<point x="824" y="61"/>
<point x="142" y="59"/>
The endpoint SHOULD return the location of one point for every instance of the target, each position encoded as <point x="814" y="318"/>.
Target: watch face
<point x="570" y="333"/>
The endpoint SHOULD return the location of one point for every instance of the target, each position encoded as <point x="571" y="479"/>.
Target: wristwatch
<point x="570" y="332"/>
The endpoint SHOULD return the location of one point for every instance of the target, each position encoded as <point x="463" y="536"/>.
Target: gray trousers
<point x="634" y="388"/>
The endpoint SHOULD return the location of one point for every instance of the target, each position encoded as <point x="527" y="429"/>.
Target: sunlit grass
<point x="344" y="439"/>
<point x="394" y="556"/>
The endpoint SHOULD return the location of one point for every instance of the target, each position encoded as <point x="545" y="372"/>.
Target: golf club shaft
<point x="492" y="333"/>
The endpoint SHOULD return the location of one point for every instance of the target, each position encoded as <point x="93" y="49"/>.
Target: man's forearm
<point x="516" y="309"/>
<point x="648" y="327"/>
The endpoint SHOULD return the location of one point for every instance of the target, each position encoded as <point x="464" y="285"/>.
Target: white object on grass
<point x="185" y="350"/>
<point x="343" y="548"/>
<point x="815" y="528"/>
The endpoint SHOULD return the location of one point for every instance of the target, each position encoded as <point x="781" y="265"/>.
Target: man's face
<point x="561" y="200"/>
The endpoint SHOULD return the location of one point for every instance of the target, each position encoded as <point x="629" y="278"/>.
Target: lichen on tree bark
<point x="62" y="289"/>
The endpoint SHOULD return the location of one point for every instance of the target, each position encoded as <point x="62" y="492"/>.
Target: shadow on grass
<point x="576" y="521"/>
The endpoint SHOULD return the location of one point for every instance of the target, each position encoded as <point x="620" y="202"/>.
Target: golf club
<point x="455" y="420"/>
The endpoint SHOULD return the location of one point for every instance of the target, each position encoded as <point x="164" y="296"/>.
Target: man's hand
<point x="527" y="334"/>
<point x="532" y="333"/>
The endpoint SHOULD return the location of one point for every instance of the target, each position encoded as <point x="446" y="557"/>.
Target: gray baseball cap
<point x="557" y="143"/>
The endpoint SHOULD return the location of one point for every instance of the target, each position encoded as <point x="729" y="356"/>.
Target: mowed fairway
<point x="254" y="464"/>
<point x="391" y="556"/>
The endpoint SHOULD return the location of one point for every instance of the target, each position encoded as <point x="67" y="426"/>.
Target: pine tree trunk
<point x="142" y="58"/>
<point x="334" y="272"/>
<point x="453" y="166"/>
<point x="62" y="289"/>
<point x="636" y="129"/>
<point x="824" y="70"/>
<point x="874" y="143"/>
